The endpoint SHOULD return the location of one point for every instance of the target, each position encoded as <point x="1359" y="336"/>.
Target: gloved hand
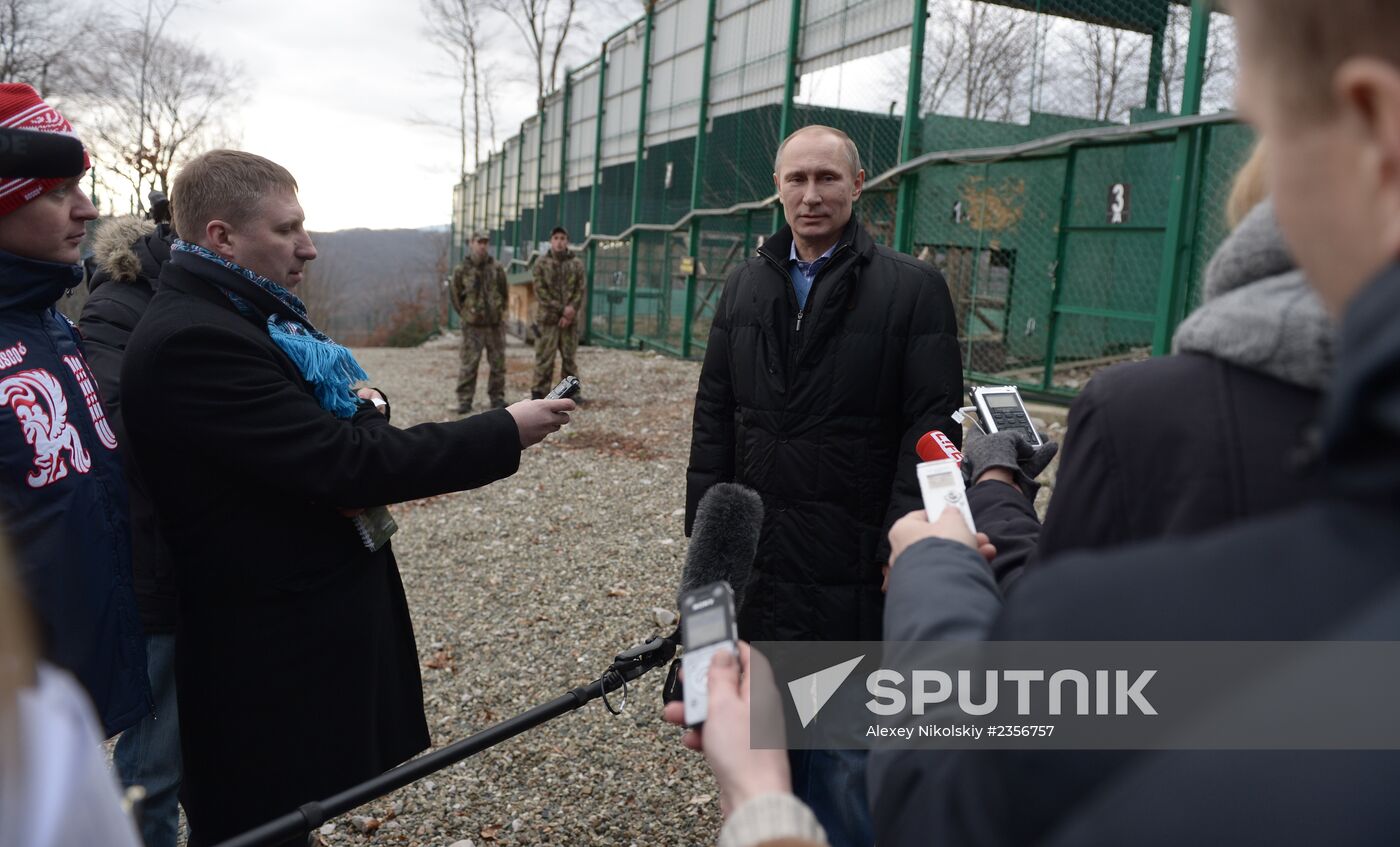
<point x="1008" y="450"/>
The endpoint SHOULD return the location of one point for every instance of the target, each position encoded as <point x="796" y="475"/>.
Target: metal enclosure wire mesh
<point x="1064" y="163"/>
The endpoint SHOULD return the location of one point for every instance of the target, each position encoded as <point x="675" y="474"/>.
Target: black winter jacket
<point x="1326" y="570"/>
<point x="1225" y="444"/>
<point x="129" y="255"/>
<point x="819" y="410"/>
<point x="296" y="662"/>
<point x="1169" y="447"/>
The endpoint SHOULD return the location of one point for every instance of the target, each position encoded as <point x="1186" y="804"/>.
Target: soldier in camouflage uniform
<point x="559" y="290"/>
<point x="480" y="294"/>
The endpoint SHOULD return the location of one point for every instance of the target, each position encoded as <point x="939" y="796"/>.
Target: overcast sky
<point x="339" y="91"/>
<point x="334" y="87"/>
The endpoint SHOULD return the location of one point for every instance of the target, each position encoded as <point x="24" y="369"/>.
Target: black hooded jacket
<point x="129" y="254"/>
<point x="818" y="410"/>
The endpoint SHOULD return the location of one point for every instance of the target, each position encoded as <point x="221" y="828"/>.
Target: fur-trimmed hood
<point x="114" y="248"/>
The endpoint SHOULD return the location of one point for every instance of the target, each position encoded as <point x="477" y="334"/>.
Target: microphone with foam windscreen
<point x="723" y="543"/>
<point x="723" y="539"/>
<point x="28" y="154"/>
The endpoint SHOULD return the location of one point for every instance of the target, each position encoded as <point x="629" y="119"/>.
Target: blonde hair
<point x="1251" y="186"/>
<point x="226" y="185"/>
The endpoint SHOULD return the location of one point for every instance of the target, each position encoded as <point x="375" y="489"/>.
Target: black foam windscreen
<point x="723" y="539"/>
<point x="28" y="154"/>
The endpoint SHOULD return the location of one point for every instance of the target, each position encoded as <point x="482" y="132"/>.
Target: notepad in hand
<point x="374" y="526"/>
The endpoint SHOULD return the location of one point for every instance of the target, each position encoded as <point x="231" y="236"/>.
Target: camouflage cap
<point x="480" y="235"/>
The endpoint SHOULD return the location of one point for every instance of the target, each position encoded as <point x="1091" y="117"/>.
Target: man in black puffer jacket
<point x="129" y="254"/>
<point x="828" y="357"/>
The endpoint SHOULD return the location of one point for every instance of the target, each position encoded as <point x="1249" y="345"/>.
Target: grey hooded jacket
<point x="1258" y="310"/>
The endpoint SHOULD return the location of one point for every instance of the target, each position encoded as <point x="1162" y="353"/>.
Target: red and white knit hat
<point x="21" y="107"/>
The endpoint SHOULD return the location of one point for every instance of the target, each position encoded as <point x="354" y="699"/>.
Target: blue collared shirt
<point x="803" y="273"/>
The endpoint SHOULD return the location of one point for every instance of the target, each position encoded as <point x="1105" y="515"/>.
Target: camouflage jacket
<point x="558" y="283"/>
<point x="479" y="292"/>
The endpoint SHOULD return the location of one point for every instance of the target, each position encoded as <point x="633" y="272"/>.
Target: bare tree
<point x="976" y="58"/>
<point x="1110" y="64"/>
<point x="455" y="26"/>
<point x="545" y="26"/>
<point x="1217" y="79"/>
<point x="39" y="42"/>
<point x="153" y="102"/>
<point x="994" y="41"/>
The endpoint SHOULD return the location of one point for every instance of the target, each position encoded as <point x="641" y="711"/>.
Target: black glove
<point x="1009" y="450"/>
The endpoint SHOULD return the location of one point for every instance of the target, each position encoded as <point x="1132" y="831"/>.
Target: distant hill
<point x="364" y="280"/>
<point x="366" y="286"/>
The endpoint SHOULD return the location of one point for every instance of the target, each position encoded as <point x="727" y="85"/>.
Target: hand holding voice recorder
<point x="941" y="484"/>
<point x="708" y="625"/>
<point x="1000" y="409"/>
<point x="567" y="388"/>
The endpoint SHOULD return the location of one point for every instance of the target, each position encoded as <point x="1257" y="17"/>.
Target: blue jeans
<point x="148" y="754"/>
<point x="832" y="783"/>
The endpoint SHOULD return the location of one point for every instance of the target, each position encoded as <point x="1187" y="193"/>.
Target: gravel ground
<point x="528" y="587"/>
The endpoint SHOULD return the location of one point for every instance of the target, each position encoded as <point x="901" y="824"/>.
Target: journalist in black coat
<point x="818" y="406"/>
<point x="296" y="663"/>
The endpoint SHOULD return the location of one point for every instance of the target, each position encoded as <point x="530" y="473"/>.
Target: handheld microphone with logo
<point x="28" y="154"/>
<point x="723" y="542"/>
<point x="940" y="477"/>
<point x="934" y="446"/>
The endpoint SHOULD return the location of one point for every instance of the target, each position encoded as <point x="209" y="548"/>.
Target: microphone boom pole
<point x="724" y="541"/>
<point x="627" y="666"/>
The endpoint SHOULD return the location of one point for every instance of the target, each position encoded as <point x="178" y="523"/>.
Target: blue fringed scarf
<point x="329" y="367"/>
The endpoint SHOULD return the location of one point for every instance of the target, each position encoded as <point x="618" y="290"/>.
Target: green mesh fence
<point x="1064" y="163"/>
<point x="607" y="292"/>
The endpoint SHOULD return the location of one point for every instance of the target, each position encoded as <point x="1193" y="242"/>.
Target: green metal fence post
<point x="1057" y="275"/>
<point x="789" y="87"/>
<point x="539" y="181"/>
<point x="637" y="174"/>
<point x="501" y="205"/>
<point x="1154" y="65"/>
<point x="520" y="182"/>
<point x="563" y="154"/>
<point x="594" y="194"/>
<point x="459" y="209"/>
<point x="697" y="179"/>
<point x="1186" y="179"/>
<point x="909" y="134"/>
